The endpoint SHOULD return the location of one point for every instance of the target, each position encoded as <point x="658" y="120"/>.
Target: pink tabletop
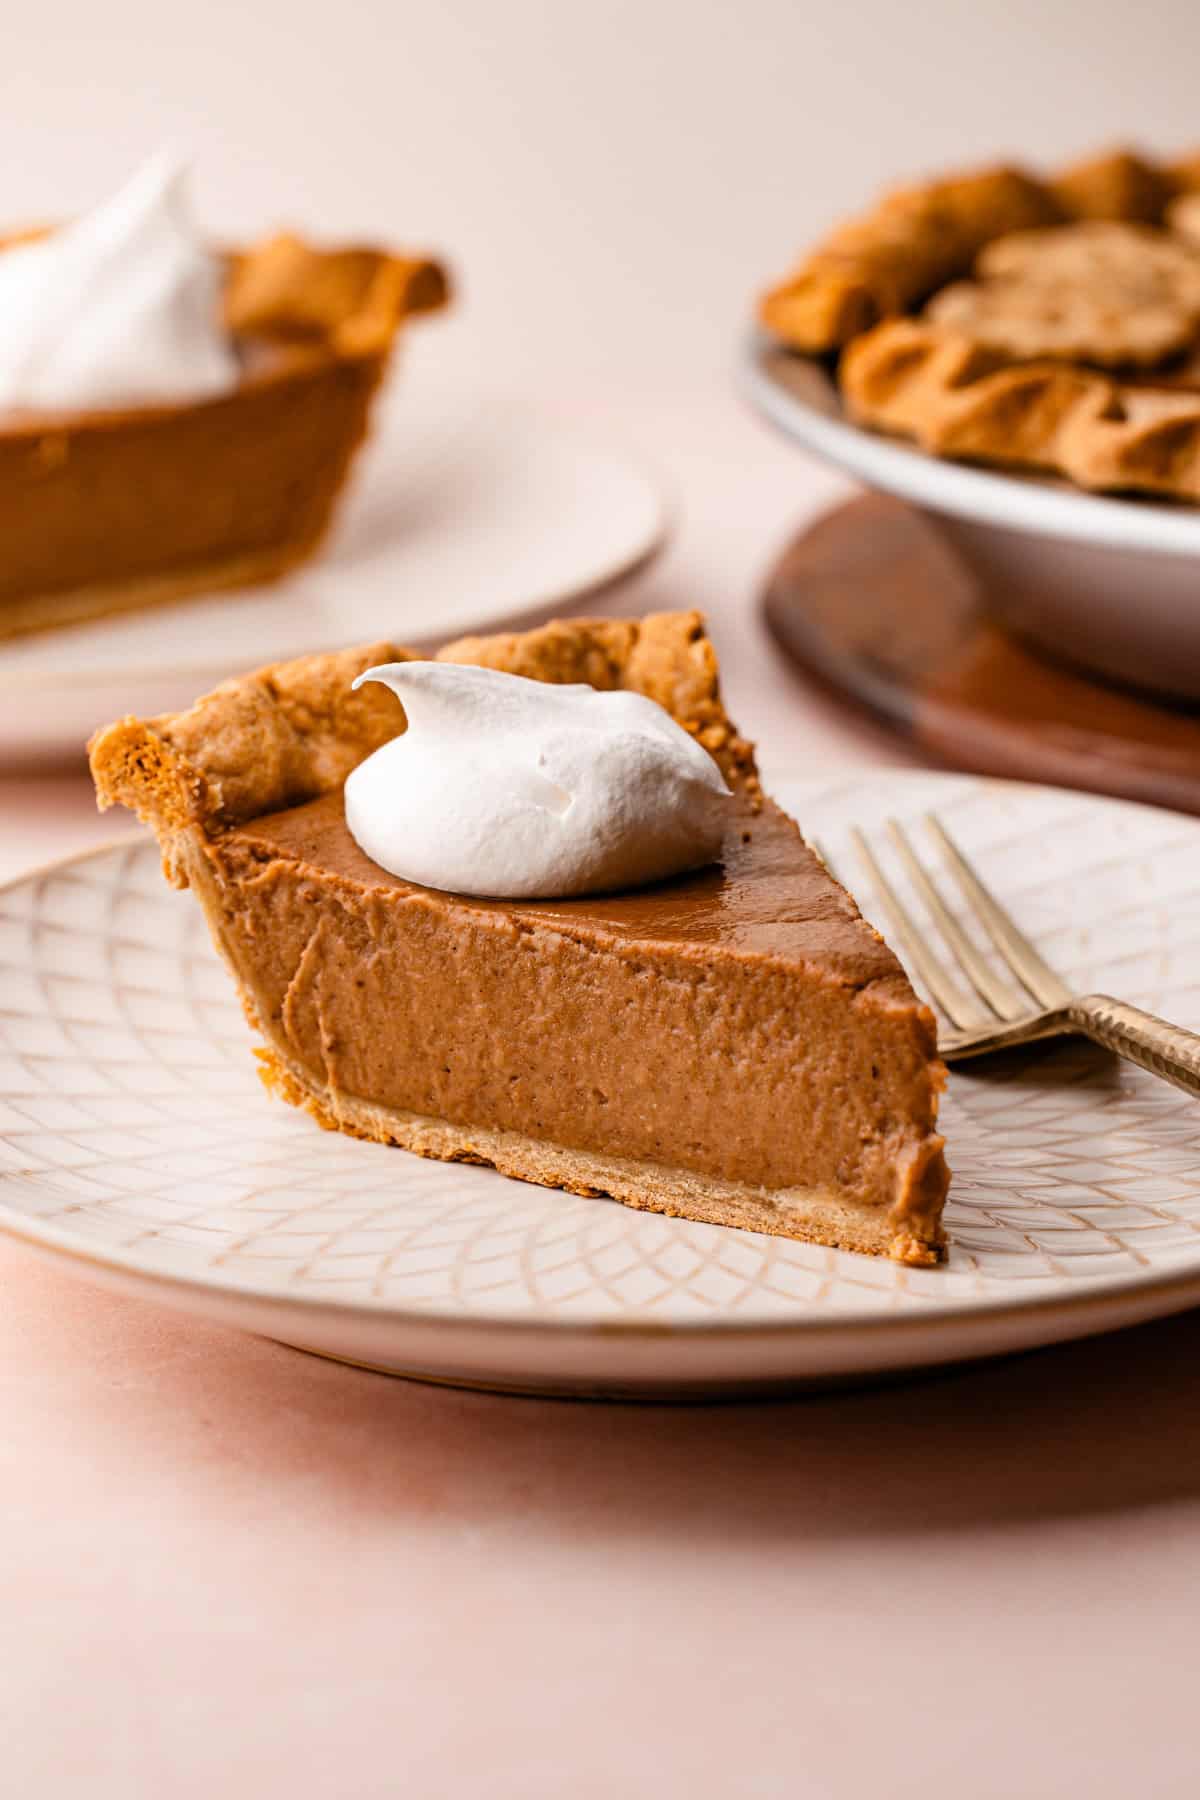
<point x="229" y="1568"/>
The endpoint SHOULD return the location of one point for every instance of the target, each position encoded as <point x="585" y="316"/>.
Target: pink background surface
<point x="231" y="1568"/>
<point x="227" y="1568"/>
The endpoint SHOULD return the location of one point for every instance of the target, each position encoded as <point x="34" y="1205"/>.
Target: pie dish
<point x="735" y="1045"/>
<point x="1052" y="562"/>
<point x="1049" y="325"/>
<point x="102" y="511"/>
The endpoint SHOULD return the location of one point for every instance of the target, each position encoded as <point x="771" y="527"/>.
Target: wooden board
<point x="870" y="602"/>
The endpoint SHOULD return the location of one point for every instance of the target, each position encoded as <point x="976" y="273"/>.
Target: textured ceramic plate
<point x="464" y="514"/>
<point x="136" y="1142"/>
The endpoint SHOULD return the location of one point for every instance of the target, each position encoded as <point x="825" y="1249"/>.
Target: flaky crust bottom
<point x="810" y="1215"/>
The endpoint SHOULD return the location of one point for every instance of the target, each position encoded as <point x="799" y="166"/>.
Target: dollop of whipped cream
<point x="121" y="307"/>
<point x="524" y="790"/>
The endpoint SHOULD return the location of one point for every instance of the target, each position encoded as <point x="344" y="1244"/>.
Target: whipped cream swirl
<point x="119" y="308"/>
<point x="524" y="790"/>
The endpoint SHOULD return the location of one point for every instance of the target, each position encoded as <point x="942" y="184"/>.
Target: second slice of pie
<point x="128" y="476"/>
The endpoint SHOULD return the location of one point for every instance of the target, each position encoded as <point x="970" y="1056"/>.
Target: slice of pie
<point x="1046" y="324"/>
<point x="735" y="1045"/>
<point x="105" y="511"/>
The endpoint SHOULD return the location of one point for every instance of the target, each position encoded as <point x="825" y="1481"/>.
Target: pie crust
<point x="1072" y="351"/>
<point x="957" y="399"/>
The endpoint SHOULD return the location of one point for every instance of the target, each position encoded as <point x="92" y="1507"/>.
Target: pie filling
<point x="713" y="1024"/>
<point x="120" y="502"/>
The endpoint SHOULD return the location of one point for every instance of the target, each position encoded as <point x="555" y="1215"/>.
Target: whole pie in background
<point x="1045" y="324"/>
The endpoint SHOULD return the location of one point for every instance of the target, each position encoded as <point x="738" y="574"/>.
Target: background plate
<point x="465" y="512"/>
<point x="135" y="1138"/>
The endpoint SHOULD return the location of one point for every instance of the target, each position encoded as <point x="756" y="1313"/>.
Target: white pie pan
<point x="1112" y="585"/>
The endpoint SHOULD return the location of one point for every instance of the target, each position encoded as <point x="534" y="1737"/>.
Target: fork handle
<point x="1166" y="1050"/>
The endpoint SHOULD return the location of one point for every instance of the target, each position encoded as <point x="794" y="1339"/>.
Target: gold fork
<point x="994" y="1012"/>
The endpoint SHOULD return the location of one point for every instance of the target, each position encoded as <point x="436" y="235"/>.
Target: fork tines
<point x="973" y="1005"/>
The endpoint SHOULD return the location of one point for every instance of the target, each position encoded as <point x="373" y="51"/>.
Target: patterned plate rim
<point x="1178" y="1286"/>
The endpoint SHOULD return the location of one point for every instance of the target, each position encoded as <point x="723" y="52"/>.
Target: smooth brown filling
<point x="740" y="1021"/>
<point x="119" y="495"/>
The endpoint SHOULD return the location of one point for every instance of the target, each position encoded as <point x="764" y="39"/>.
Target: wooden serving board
<point x="871" y="603"/>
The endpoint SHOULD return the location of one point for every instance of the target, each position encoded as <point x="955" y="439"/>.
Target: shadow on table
<point x="1090" y="1429"/>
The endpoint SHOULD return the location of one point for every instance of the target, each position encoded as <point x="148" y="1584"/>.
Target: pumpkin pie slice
<point x="103" y="511"/>
<point x="735" y="1045"/>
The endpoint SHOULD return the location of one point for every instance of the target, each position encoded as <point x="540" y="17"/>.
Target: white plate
<point x="136" y="1142"/>
<point x="464" y="513"/>
<point x="1111" y="584"/>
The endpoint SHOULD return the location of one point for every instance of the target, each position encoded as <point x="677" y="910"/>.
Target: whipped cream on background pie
<point x="119" y="308"/>
<point x="176" y="419"/>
